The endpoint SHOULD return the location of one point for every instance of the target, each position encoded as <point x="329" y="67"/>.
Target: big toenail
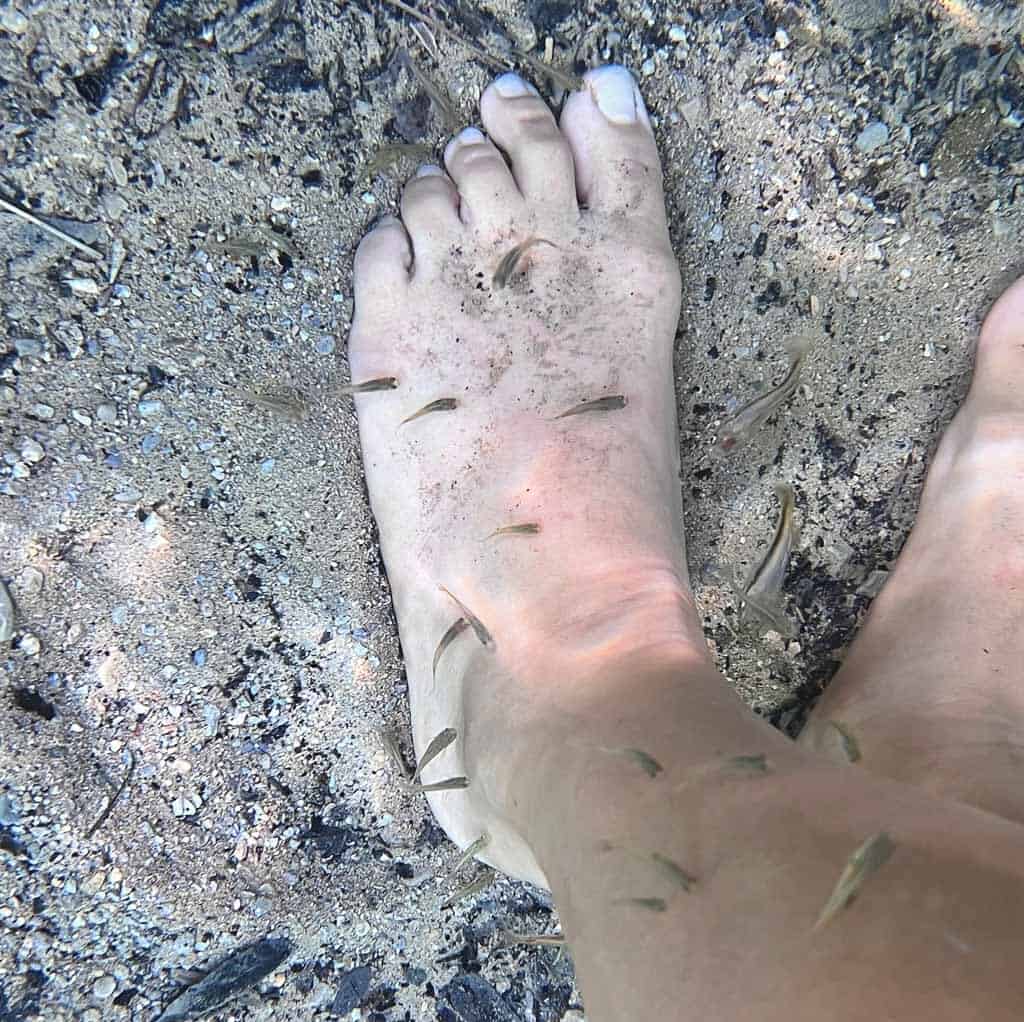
<point x="429" y="170"/>
<point x="616" y="95"/>
<point x="510" y="86"/>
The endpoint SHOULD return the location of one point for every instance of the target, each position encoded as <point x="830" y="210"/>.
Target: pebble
<point x="119" y="614"/>
<point x="82" y="285"/>
<point x="81" y="417"/>
<point x="127" y="496"/>
<point x="19" y="470"/>
<point x="325" y="346"/>
<point x="43" y="411"/>
<point x="104" y="987"/>
<point x="28" y="347"/>
<point x="716" y="234"/>
<point x="32" y="452"/>
<point x="677" y="34"/>
<point x="874" y="135"/>
<point x="647" y="68"/>
<point x="6" y="614"/>
<point x="279" y="203"/>
<point x="150" y="442"/>
<point x="106" y="413"/>
<point x="199" y="657"/>
<point x="8" y="814"/>
<point x="267" y="466"/>
<point x="30" y="581"/>
<point x="149" y="408"/>
<point x="14" y="22"/>
<point x="873" y="252"/>
<point x="30" y="644"/>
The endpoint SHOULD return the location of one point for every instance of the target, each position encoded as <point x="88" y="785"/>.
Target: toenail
<point x="470" y="136"/>
<point x="510" y="85"/>
<point x="429" y="170"/>
<point x="616" y="95"/>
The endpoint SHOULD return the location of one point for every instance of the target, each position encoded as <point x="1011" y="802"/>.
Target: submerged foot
<point x="933" y="689"/>
<point x="523" y="464"/>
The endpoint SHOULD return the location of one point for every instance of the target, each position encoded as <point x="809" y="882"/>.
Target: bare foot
<point x="561" y="533"/>
<point x="933" y="689"/>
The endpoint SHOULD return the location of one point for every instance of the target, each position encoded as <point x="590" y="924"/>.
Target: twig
<point x="10" y="207"/>
<point x="102" y="818"/>
<point x="437" y="26"/>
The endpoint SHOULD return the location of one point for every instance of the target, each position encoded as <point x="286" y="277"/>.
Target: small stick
<point x="102" y="818"/>
<point x="10" y="207"/>
<point x="436" y="25"/>
<point x="437" y="745"/>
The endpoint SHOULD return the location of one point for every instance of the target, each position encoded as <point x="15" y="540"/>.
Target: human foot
<point x="596" y="569"/>
<point x="932" y="691"/>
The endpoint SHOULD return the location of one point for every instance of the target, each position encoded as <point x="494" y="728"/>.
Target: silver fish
<point x="751" y="416"/>
<point x="526" y="529"/>
<point x="645" y="761"/>
<point x="510" y="261"/>
<point x="456" y="629"/>
<point x="475" y="623"/>
<point x="442" y="404"/>
<point x="437" y="745"/>
<point x="369" y="386"/>
<point x="762" y="591"/>
<point x="867" y="859"/>
<point x="599" y="404"/>
<point x="849" y="744"/>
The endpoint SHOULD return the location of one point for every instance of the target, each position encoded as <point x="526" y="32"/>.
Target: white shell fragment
<point x="6" y="615"/>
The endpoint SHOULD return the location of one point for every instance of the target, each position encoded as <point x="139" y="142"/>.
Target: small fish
<point x="646" y="762"/>
<point x="436" y="95"/>
<point x="279" y="241"/>
<point x="751" y="416"/>
<point x="241" y="970"/>
<point x="293" y="409"/>
<point x="390" y="744"/>
<point x="456" y="629"/>
<point x="475" y="623"/>
<point x="369" y="386"/>
<point x="599" y="404"/>
<point x="867" y="859"/>
<point x="389" y="155"/>
<point x="510" y="261"/>
<point x="526" y="529"/>
<point x="442" y="404"/>
<point x="437" y="745"/>
<point x="850" y="745"/>
<point x="474" y="886"/>
<point x="563" y="79"/>
<point x="451" y="784"/>
<point x="245" y="248"/>
<point x="762" y="590"/>
<point x="673" y="871"/>
<point x="476" y="846"/>
<point x="757" y="764"/>
<point x="651" y="904"/>
<point x="506" y="938"/>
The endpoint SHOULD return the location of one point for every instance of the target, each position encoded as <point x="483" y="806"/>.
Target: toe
<point x="382" y="265"/>
<point x="430" y="212"/>
<point x="613" y="148"/>
<point x="523" y="125"/>
<point x="488" y="196"/>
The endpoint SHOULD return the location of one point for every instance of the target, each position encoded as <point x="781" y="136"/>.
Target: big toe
<point x="613" y="147"/>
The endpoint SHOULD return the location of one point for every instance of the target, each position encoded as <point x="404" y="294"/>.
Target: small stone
<point x="13" y="21"/>
<point x="873" y="136"/>
<point x="199" y="657"/>
<point x="647" y="68"/>
<point x="32" y="452"/>
<point x="104" y="987"/>
<point x="106" y="413"/>
<point x="94" y="883"/>
<point x="30" y="645"/>
<point x="677" y="34"/>
<point x="872" y="585"/>
<point x="150" y="442"/>
<point x="119" y="614"/>
<point x="117" y="171"/>
<point x="152" y="522"/>
<point x="82" y="285"/>
<point x="43" y="411"/>
<point x="781" y="38"/>
<point x="28" y="347"/>
<point x="8" y="814"/>
<point x="150" y="408"/>
<point x="211" y="717"/>
<point x="19" y="470"/>
<point x="30" y="581"/>
<point x="280" y="203"/>
<point x="860" y="15"/>
<point x="81" y="417"/>
<point x="325" y="346"/>
<point x="267" y="466"/>
<point x="716" y="234"/>
<point x="873" y="252"/>
<point x="127" y="496"/>
<point x="6" y="614"/>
